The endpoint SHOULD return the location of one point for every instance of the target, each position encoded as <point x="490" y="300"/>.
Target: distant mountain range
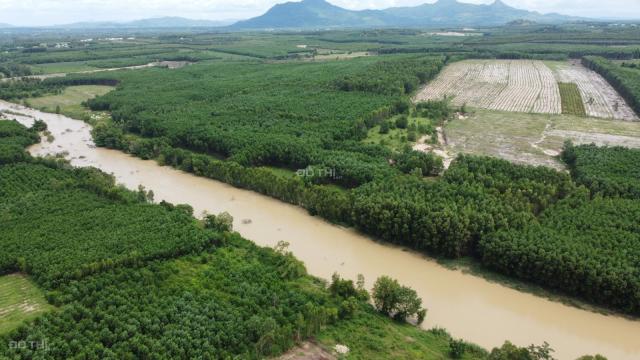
<point x="152" y="23"/>
<point x="320" y="14"/>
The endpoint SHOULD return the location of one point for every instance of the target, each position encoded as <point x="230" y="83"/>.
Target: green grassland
<point x="70" y="100"/>
<point x="20" y="301"/>
<point x="62" y="67"/>
<point x="572" y="103"/>
<point x="368" y="336"/>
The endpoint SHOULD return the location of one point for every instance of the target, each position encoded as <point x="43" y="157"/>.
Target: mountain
<point x="313" y="13"/>
<point x="321" y="14"/>
<point x="5" y="26"/>
<point x="152" y="23"/>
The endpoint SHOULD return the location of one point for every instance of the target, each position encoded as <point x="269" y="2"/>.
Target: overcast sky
<point x="49" y="12"/>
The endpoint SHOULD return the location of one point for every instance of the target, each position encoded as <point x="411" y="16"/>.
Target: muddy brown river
<point x="468" y="306"/>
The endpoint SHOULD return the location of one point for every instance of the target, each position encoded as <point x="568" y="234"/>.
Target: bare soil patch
<point x="534" y="139"/>
<point x="308" y="351"/>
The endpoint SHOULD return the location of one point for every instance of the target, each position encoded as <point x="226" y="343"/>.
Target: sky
<point x="50" y="12"/>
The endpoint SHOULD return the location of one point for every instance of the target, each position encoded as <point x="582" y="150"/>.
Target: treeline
<point x="587" y="244"/>
<point x="625" y="80"/>
<point x="14" y="70"/>
<point x="30" y="87"/>
<point x="470" y="53"/>
<point x="55" y="56"/>
<point x="611" y="171"/>
<point x="26" y="88"/>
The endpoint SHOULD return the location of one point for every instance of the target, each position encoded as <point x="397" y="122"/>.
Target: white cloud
<point x="47" y="12"/>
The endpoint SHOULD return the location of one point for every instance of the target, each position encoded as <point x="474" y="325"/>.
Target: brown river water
<point x="468" y="306"/>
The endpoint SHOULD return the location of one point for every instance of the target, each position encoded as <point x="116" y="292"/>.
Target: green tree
<point x="384" y="127"/>
<point x="457" y="348"/>
<point x="220" y="222"/>
<point x="402" y="122"/>
<point x="393" y="299"/>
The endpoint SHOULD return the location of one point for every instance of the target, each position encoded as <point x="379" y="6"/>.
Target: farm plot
<point x="505" y="85"/>
<point x="600" y="99"/>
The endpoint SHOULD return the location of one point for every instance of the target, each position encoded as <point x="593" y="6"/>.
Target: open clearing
<point x="525" y="86"/>
<point x="20" y="300"/>
<point x="534" y="139"/>
<point x="307" y="351"/>
<point x="70" y="100"/>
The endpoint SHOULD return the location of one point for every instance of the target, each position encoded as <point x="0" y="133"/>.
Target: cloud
<point x="48" y="12"/>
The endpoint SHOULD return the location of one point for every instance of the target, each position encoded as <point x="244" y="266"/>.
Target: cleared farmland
<point x="600" y="99"/>
<point x="525" y="86"/>
<point x="506" y="85"/>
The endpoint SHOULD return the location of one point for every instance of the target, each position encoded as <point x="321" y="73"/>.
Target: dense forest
<point x="611" y="171"/>
<point x="580" y="246"/>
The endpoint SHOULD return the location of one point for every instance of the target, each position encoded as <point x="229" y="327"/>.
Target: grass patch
<point x="396" y="139"/>
<point x="572" y="103"/>
<point x="371" y="336"/>
<point x="63" y="67"/>
<point x="70" y="100"/>
<point x="20" y="301"/>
